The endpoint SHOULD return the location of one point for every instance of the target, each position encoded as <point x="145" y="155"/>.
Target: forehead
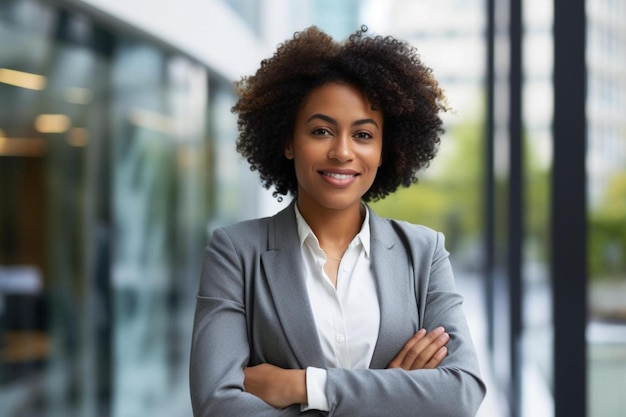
<point x="338" y="99"/>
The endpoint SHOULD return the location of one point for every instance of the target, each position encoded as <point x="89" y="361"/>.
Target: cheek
<point x="377" y="157"/>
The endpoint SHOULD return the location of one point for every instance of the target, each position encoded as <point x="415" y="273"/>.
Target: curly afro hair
<point x="387" y="70"/>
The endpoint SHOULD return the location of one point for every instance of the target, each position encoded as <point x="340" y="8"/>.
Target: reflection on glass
<point x="155" y="143"/>
<point x="22" y="79"/>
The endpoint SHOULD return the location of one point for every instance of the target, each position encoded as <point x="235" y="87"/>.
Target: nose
<point x="341" y="148"/>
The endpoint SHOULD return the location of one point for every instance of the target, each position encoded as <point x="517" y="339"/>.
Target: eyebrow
<point x="334" y="122"/>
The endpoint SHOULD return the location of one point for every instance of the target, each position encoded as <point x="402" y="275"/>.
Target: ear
<point x="289" y="150"/>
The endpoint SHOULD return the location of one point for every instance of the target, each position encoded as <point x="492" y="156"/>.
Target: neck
<point x="334" y="229"/>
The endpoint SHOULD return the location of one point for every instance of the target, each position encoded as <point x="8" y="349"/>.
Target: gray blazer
<point x="252" y="307"/>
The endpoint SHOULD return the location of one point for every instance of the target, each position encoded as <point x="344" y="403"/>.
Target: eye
<point x="363" y="135"/>
<point x="321" y="131"/>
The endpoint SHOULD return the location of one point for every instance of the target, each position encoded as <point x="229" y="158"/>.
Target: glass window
<point x="105" y="185"/>
<point x="606" y="170"/>
<point x="537" y="114"/>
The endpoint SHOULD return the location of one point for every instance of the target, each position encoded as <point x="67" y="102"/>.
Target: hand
<point x="276" y="386"/>
<point x="422" y="351"/>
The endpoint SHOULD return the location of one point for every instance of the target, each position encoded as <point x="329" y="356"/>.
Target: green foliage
<point x="537" y="196"/>
<point x="607" y="233"/>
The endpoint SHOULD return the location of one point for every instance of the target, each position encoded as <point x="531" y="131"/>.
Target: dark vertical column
<point x="569" y="254"/>
<point x="516" y="201"/>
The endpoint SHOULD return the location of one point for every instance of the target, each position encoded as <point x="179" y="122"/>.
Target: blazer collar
<point x="282" y="265"/>
<point x="390" y="264"/>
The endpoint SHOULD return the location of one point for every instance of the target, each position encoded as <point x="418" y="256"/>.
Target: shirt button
<point x="340" y="338"/>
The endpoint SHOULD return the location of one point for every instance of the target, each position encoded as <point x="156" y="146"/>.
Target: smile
<point x="338" y="176"/>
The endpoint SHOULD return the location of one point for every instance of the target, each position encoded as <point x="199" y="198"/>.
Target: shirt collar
<point x="304" y="230"/>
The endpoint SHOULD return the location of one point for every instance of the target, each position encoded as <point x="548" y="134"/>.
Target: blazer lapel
<point x="391" y="269"/>
<point x="282" y="266"/>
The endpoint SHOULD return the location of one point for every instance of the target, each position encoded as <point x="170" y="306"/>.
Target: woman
<point x="326" y="308"/>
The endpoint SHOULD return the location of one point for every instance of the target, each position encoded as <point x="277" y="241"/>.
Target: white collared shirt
<point x="348" y="317"/>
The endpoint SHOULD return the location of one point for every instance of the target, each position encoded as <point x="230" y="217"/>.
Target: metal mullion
<point x="568" y="215"/>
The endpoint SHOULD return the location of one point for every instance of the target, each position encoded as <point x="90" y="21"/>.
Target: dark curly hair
<point x="387" y="70"/>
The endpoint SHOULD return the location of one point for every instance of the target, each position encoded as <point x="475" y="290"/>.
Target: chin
<point x="339" y="203"/>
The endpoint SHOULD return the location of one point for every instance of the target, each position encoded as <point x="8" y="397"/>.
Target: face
<point x="336" y="147"/>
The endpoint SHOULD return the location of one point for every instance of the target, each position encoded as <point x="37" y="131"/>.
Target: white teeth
<point x="338" y="176"/>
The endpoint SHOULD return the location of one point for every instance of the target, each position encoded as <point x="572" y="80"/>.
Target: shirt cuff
<point x="315" y="390"/>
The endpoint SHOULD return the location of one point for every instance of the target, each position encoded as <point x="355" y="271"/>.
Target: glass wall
<point x="537" y="115"/>
<point x="105" y="179"/>
<point x="606" y="167"/>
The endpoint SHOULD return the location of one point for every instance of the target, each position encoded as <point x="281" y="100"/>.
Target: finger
<point x="437" y="339"/>
<point x="411" y="356"/>
<point x="437" y="358"/>
<point x="399" y="358"/>
<point x="413" y="353"/>
<point x="421" y="352"/>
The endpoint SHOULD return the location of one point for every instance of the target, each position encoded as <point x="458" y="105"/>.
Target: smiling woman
<point x="326" y="308"/>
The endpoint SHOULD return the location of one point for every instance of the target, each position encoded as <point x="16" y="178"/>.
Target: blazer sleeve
<point x="453" y="389"/>
<point x="220" y="348"/>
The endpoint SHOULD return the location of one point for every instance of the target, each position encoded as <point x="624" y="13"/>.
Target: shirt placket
<point x="344" y="274"/>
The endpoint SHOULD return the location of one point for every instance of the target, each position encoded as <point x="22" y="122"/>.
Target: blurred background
<point x="117" y="159"/>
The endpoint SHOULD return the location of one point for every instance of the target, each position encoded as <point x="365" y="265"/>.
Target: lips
<point x="341" y="178"/>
